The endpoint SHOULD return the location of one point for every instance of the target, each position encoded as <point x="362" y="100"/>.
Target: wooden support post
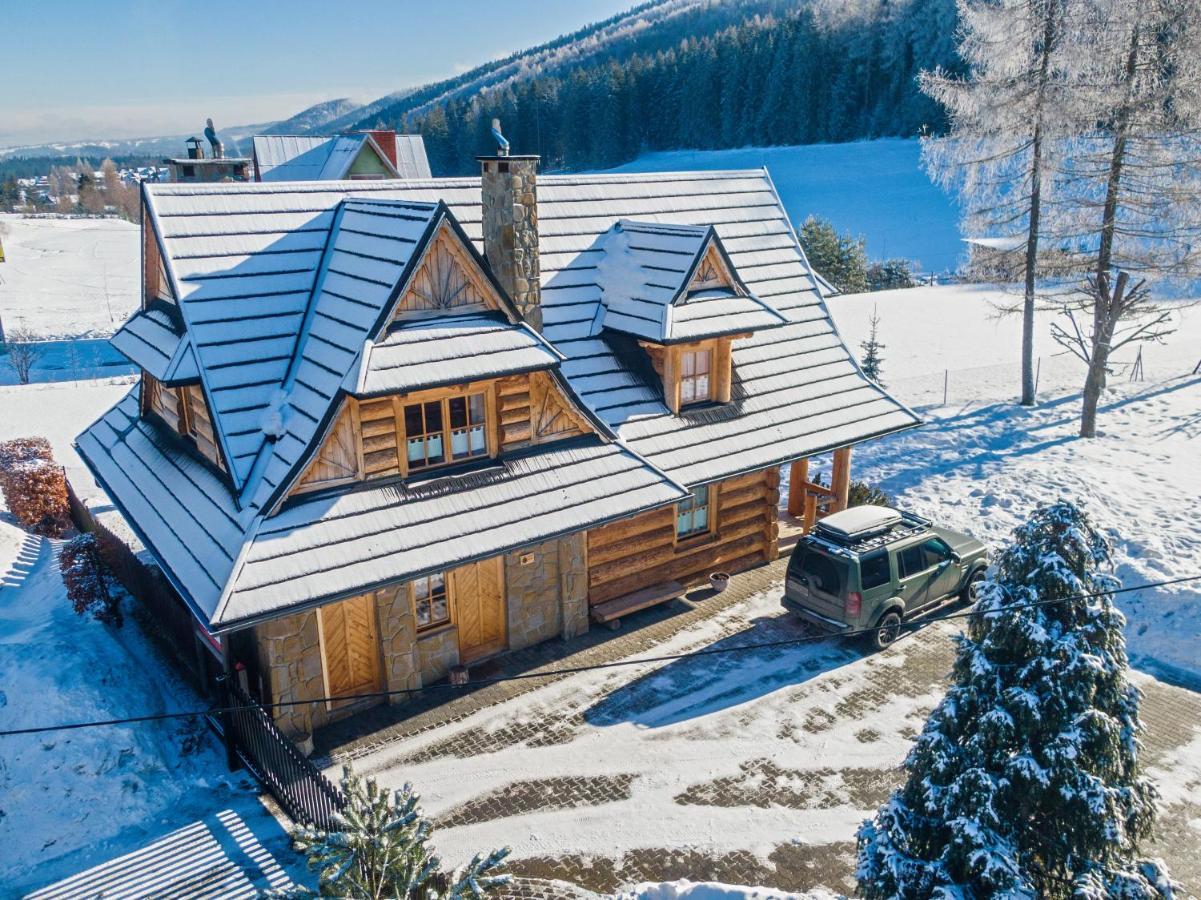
<point x="840" y="478"/>
<point x="810" y="516"/>
<point x="798" y="474"/>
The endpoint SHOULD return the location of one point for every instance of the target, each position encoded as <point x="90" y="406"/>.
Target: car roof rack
<point x="863" y="528"/>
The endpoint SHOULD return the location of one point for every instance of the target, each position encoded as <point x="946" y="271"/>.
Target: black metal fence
<point x="306" y="795"/>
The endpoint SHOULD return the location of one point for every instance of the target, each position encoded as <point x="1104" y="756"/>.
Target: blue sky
<point x="130" y="68"/>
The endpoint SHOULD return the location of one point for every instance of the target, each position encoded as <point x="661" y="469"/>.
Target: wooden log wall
<point x="200" y="424"/>
<point x="642" y="551"/>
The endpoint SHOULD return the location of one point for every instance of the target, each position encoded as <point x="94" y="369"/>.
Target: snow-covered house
<point x="357" y="156"/>
<point x="389" y="427"/>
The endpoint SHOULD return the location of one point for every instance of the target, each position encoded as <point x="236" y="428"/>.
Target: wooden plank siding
<point x="643" y="551"/>
<point x="184" y="410"/>
<point x="368" y="438"/>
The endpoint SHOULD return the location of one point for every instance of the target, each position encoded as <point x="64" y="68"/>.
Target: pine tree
<point x="381" y="849"/>
<point x="1025" y="780"/>
<point x="840" y="259"/>
<point x="872" y="360"/>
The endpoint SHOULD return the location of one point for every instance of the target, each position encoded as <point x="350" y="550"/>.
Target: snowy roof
<point x="380" y="533"/>
<point x="426" y="353"/>
<point x="152" y="339"/>
<point x="284" y="291"/>
<point x="644" y="274"/>
<point x="1005" y="243"/>
<point x="289" y="157"/>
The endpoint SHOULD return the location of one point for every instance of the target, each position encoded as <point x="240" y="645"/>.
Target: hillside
<point x="691" y="74"/>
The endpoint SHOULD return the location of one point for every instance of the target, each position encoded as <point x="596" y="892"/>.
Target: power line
<point x="906" y="629"/>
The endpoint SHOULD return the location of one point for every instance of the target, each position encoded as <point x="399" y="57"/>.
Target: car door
<point x="926" y="573"/>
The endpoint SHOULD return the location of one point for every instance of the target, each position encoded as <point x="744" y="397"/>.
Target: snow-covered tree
<point x="1010" y="117"/>
<point x="872" y="361"/>
<point x="380" y="848"/>
<point x="839" y="258"/>
<point x="1132" y="185"/>
<point x="1025" y="781"/>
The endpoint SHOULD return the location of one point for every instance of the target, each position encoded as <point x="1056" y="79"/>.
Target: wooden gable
<point x="711" y="272"/>
<point x="448" y="280"/>
<point x="338" y="461"/>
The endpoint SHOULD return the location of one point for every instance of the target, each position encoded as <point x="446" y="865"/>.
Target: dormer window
<point x="696" y="367"/>
<point x="448" y="430"/>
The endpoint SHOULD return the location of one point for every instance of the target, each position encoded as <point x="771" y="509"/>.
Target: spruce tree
<point x="872" y="360"/>
<point x="1025" y="781"/>
<point x="380" y="848"/>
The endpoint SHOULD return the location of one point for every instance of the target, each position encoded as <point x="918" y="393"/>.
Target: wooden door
<point x="479" y="596"/>
<point x="349" y="647"/>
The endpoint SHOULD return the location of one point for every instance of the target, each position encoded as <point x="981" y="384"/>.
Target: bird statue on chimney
<point x="502" y="144"/>
<point x="211" y="133"/>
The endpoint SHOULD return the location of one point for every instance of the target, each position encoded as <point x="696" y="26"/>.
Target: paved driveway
<point x="751" y="768"/>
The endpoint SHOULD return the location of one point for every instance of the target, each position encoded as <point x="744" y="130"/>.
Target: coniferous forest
<point x="778" y="73"/>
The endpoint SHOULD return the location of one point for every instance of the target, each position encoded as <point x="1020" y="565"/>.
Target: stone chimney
<point x="510" y="197"/>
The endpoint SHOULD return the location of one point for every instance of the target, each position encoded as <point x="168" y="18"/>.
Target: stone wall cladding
<point x="290" y="663"/>
<point x="509" y="190"/>
<point x="398" y="641"/>
<point x="437" y="653"/>
<point x="548" y="597"/>
<point x="573" y="578"/>
<point x="533" y="594"/>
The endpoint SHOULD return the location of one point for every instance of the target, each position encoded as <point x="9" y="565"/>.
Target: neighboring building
<point x="386" y="428"/>
<point x="358" y="156"/>
<point x="196" y="168"/>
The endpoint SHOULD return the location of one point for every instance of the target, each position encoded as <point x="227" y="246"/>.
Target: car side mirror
<point x="956" y="558"/>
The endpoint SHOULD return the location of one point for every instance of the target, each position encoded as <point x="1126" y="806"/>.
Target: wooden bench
<point x="610" y="612"/>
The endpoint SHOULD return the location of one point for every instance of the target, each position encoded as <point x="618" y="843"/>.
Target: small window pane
<point x="702" y="362"/>
<point x="440" y="610"/>
<point x="689" y="363"/>
<point x="433" y="449"/>
<point x="477" y="408"/>
<point x="700" y="518"/>
<point x="873" y="570"/>
<point x="702" y="387"/>
<point x="433" y="416"/>
<point x="684" y="522"/>
<point x="413" y="424"/>
<point x="478" y="444"/>
<point x="687" y="390"/>
<point x="458" y="412"/>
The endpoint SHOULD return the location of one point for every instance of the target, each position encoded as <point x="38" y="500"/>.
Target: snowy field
<point x="872" y="188"/>
<point x="68" y="277"/>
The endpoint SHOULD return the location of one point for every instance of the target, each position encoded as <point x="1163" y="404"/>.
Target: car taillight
<point x="854" y="604"/>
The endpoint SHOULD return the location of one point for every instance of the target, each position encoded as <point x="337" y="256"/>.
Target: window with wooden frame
<point x="694" y="515"/>
<point x="183" y="410"/>
<point x="696" y="367"/>
<point x="446" y="430"/>
<point x="431" y="601"/>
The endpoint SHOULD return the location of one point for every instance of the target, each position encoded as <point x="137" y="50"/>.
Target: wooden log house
<point x="386" y="428"/>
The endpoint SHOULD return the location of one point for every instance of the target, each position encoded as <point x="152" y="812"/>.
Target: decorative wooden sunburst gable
<point x="552" y="415"/>
<point x="711" y="272"/>
<point x="447" y="281"/>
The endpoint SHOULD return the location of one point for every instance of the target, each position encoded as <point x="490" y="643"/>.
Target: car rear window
<point x="873" y="570"/>
<point x="823" y="573"/>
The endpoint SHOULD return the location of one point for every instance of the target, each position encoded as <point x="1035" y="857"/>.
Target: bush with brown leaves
<point x="91" y="586"/>
<point x="34" y="486"/>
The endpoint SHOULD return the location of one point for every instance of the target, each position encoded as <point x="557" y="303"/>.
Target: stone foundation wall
<point x="548" y="596"/>
<point x="398" y="641"/>
<point x="290" y="665"/>
<point x="437" y="653"/>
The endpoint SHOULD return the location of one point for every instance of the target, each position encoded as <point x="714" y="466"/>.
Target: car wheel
<point x="970" y="592"/>
<point x="887" y="630"/>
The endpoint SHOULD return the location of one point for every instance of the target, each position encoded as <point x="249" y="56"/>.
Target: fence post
<point x="946" y="383"/>
<point x="227" y="722"/>
<point x="1038" y="371"/>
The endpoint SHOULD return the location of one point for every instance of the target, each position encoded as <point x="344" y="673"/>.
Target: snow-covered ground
<point x="80" y="801"/>
<point x="872" y="188"/>
<point x="70" y="277"/>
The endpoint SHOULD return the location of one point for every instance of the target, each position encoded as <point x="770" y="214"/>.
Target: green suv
<point x="871" y="567"/>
